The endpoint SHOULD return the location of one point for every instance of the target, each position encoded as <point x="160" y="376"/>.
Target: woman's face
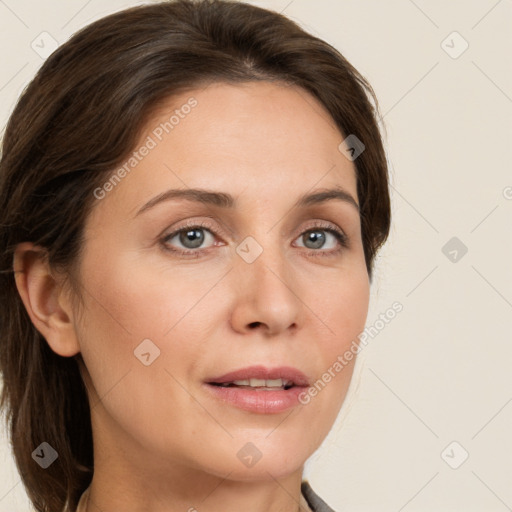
<point x="263" y="281"/>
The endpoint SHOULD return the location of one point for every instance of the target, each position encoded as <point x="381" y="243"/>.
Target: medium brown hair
<point x="80" y="117"/>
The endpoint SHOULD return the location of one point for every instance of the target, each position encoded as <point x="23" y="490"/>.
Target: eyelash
<point x="317" y="226"/>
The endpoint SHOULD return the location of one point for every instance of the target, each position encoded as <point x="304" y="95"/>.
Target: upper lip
<point x="262" y="372"/>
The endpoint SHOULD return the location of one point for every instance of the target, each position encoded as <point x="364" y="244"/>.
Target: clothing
<point x="316" y="503"/>
<point x="313" y="500"/>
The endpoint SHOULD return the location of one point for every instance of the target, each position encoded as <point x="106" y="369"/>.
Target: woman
<point x="192" y="195"/>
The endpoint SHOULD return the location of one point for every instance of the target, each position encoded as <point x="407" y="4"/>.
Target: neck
<point x="131" y="480"/>
<point x="226" y="495"/>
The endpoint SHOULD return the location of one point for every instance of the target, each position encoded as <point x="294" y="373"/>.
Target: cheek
<point x="126" y="305"/>
<point x="343" y="308"/>
<point x="141" y="299"/>
<point x="128" y="302"/>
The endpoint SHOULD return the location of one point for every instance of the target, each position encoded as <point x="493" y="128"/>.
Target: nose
<point x="266" y="296"/>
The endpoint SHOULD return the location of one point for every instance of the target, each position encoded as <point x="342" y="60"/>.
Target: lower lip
<point x="258" y="400"/>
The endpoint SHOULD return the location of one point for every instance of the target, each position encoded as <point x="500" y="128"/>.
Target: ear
<point x="44" y="298"/>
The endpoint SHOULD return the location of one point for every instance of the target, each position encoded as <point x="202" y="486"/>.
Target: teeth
<point x="269" y="383"/>
<point x="275" y="382"/>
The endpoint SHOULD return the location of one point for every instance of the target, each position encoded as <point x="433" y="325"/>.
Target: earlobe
<point x="44" y="299"/>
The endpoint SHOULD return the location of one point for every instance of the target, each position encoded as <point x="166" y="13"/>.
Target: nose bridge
<point x="263" y="253"/>
<point x="265" y="283"/>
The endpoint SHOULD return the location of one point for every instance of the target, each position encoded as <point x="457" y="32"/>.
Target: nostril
<point x="254" y="324"/>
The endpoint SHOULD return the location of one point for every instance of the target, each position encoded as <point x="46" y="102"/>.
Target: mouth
<point x="262" y="384"/>
<point x="260" y="376"/>
<point x="259" y="389"/>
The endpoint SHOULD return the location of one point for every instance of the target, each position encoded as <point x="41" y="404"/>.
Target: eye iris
<point x="192" y="238"/>
<point x="317" y="237"/>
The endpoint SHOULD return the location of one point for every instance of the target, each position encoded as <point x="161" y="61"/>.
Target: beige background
<point x="440" y="371"/>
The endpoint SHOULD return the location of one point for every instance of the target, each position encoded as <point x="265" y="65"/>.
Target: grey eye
<point x="316" y="239"/>
<point x="190" y="238"/>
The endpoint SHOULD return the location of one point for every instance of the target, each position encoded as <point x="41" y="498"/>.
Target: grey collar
<point x="316" y="503"/>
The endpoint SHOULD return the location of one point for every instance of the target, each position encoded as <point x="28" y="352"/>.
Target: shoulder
<point x="316" y="503"/>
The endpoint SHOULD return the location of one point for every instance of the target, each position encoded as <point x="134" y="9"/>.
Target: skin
<point x="161" y="442"/>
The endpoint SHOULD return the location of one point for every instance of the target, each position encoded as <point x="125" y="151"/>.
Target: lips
<point x="258" y="389"/>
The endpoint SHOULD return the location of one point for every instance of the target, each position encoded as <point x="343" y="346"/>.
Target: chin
<point x="262" y="471"/>
<point x="250" y="461"/>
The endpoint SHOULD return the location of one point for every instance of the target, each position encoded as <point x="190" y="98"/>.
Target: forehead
<point x="247" y="118"/>
<point x="262" y="138"/>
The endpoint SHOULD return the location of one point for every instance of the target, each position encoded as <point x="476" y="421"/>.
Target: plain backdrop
<point x="427" y="422"/>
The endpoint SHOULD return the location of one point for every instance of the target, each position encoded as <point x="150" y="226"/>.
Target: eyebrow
<point x="224" y="200"/>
